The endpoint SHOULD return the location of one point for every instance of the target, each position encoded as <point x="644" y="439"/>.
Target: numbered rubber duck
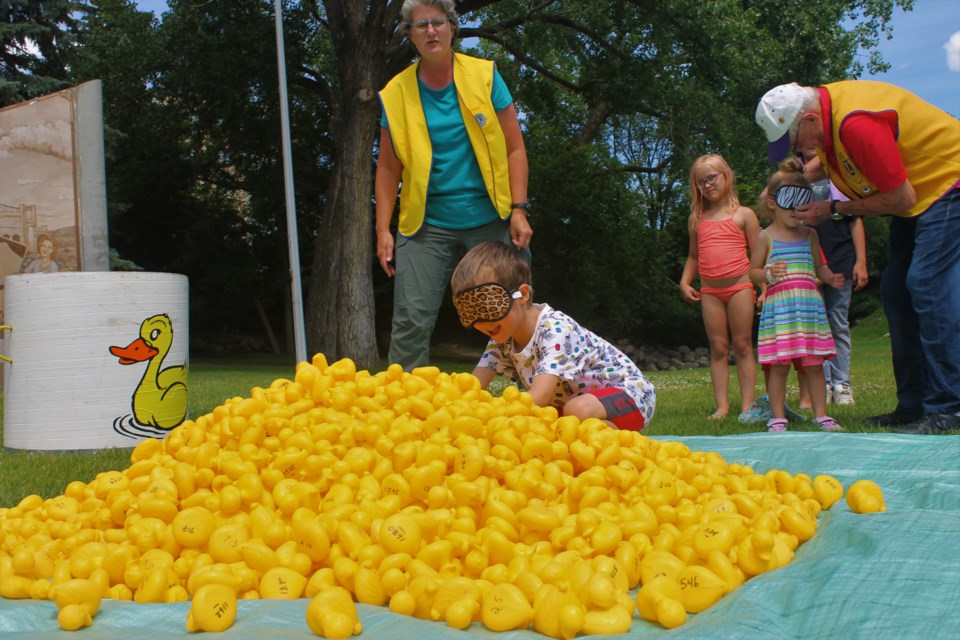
<point x="160" y="400"/>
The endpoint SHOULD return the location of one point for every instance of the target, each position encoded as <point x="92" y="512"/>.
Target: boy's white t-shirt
<point x="583" y="360"/>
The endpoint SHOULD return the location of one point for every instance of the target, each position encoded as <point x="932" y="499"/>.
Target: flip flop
<point x="716" y="415"/>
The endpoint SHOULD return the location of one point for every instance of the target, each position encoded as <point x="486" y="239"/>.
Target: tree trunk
<point x="340" y="304"/>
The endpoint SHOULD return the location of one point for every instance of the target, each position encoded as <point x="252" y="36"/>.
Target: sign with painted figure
<point x="53" y="214"/>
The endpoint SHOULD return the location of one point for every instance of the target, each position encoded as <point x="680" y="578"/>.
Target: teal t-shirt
<point x="456" y="195"/>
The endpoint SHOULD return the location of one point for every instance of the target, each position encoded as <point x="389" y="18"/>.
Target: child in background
<point x="545" y="351"/>
<point x="844" y="243"/>
<point x="719" y="230"/>
<point x="793" y="323"/>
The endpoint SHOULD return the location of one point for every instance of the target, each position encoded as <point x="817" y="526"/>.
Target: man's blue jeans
<point x="837" y="301"/>
<point x="921" y="297"/>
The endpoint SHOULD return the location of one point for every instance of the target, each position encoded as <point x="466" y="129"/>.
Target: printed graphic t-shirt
<point x="583" y="360"/>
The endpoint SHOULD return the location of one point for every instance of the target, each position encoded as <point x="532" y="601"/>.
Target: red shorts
<point x="798" y="363"/>
<point x="621" y="409"/>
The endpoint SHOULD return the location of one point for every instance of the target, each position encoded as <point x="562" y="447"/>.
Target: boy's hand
<point x="860" y="276"/>
<point x="837" y="281"/>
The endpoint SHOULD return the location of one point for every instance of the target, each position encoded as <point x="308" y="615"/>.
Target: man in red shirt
<point x="891" y="153"/>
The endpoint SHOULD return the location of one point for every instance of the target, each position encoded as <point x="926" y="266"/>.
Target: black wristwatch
<point x="834" y="214"/>
<point x="520" y="205"/>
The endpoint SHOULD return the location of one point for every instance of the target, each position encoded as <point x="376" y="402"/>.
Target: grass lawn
<point x="684" y="399"/>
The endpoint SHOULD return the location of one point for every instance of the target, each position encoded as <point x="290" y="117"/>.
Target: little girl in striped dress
<point x="793" y="324"/>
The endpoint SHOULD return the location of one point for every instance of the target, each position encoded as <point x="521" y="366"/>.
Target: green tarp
<point x="887" y="575"/>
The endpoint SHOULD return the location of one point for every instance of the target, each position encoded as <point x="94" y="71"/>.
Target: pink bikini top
<point x="722" y="248"/>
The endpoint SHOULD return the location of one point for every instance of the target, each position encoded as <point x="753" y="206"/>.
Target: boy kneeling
<point x="542" y="349"/>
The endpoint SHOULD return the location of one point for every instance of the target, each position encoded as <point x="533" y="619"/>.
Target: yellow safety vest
<point x="473" y="80"/>
<point x="928" y="140"/>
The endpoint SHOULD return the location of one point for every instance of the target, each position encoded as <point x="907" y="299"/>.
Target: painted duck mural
<point x="160" y="400"/>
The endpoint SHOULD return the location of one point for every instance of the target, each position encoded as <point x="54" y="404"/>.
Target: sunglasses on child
<point x="791" y="196"/>
<point x="487" y="302"/>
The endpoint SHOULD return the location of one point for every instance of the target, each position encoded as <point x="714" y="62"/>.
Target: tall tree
<point x="694" y="68"/>
<point x="195" y="185"/>
<point x="36" y="43"/>
<point x="616" y="98"/>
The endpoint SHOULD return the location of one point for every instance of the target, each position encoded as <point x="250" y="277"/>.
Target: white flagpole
<point x="293" y="246"/>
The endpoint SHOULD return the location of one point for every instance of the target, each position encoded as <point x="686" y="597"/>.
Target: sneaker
<point x="842" y="394"/>
<point x="892" y="419"/>
<point x="826" y="423"/>
<point x="932" y="424"/>
<point x="777" y="425"/>
<point x="759" y="412"/>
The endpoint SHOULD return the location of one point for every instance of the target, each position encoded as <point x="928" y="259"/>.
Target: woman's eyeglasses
<point x="436" y="23"/>
<point x="708" y="181"/>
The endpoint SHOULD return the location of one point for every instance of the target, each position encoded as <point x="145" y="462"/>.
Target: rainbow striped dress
<point x="793" y="322"/>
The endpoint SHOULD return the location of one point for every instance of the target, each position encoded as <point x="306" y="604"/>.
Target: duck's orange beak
<point x="136" y="351"/>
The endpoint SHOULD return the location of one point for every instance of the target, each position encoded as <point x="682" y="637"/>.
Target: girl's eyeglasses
<point x="436" y="23"/>
<point x="792" y="196"/>
<point x="487" y="302"/>
<point x="708" y="181"/>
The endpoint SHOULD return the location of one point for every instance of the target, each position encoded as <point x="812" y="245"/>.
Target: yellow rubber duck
<point x="161" y="397"/>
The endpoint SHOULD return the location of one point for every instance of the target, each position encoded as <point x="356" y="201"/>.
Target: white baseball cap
<point x="776" y="112"/>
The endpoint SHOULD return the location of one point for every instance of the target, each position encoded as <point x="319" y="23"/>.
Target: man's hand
<point x="813" y="212"/>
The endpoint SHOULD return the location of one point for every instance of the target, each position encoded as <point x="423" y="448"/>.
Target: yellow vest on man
<point x="473" y="81"/>
<point x="928" y="140"/>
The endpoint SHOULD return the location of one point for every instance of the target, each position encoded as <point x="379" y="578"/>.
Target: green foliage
<point x="36" y="45"/>
<point x="193" y="148"/>
<point x="616" y="99"/>
<point x="120" y="264"/>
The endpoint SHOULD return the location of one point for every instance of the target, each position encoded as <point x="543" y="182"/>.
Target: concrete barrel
<point x="99" y="359"/>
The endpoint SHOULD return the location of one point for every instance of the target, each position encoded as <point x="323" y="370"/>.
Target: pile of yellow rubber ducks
<point x="418" y="491"/>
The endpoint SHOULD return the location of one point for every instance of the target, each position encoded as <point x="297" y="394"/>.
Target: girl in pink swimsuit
<point x="719" y="229"/>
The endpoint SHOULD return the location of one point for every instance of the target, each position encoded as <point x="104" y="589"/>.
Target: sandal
<point x="826" y="423"/>
<point x="716" y="415"/>
<point x="777" y="425"/>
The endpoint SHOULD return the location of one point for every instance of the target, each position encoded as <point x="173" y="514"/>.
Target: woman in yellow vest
<point x="450" y="136"/>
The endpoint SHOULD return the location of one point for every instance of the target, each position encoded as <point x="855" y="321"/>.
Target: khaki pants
<point x="424" y="264"/>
